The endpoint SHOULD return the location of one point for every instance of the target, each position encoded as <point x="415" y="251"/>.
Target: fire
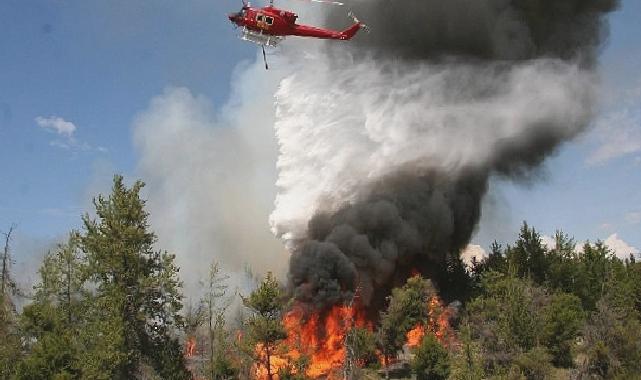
<point x="415" y="335"/>
<point x="319" y="338"/>
<point x="438" y="324"/>
<point x="190" y="347"/>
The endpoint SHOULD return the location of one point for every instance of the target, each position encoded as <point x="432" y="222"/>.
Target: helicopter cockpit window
<point x="259" y="18"/>
<point x="269" y="20"/>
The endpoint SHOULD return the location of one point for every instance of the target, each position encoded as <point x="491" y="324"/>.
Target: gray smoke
<point x="387" y="143"/>
<point x="483" y="30"/>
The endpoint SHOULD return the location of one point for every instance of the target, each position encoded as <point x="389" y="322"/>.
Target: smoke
<point x="388" y="142"/>
<point x="210" y="177"/>
<point x="483" y="30"/>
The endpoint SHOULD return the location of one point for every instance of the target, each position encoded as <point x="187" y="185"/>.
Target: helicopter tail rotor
<point x="357" y="21"/>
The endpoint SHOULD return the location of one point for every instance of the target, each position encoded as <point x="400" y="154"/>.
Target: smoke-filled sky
<point x="163" y="91"/>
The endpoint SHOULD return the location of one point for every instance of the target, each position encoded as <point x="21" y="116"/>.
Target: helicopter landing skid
<point x="260" y="38"/>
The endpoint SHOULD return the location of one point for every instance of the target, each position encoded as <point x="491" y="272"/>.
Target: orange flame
<point x="319" y="338"/>
<point x="438" y="324"/>
<point x="415" y="335"/>
<point x="190" y="347"/>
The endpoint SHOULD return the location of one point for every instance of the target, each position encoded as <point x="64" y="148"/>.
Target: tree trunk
<point x="5" y="259"/>
<point x="269" y="364"/>
<point x="69" y="287"/>
<point x="211" y="340"/>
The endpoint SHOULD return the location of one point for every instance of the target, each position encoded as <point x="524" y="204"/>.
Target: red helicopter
<point x="269" y="25"/>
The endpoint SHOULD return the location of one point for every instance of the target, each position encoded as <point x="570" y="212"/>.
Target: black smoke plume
<point x="420" y="212"/>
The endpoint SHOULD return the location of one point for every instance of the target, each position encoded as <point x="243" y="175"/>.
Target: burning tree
<point x="413" y="311"/>
<point x="266" y="328"/>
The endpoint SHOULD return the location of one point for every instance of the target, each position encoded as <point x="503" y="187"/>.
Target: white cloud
<point x="66" y="130"/>
<point x="548" y="241"/>
<point x="619" y="247"/>
<point x="472" y="251"/>
<point x="618" y="132"/>
<point x="57" y="124"/>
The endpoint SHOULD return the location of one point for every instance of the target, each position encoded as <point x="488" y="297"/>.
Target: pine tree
<point x="431" y="360"/>
<point x="52" y="323"/>
<point x="137" y="291"/>
<point x="528" y="258"/>
<point x="407" y="308"/>
<point x="265" y="324"/>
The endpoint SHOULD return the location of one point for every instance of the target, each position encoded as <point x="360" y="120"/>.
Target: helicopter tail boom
<point x="350" y="32"/>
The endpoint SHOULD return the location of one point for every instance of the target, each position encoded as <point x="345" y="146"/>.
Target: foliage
<point x="9" y="339"/>
<point x="216" y="303"/>
<point x="407" y="308"/>
<point x="363" y="346"/>
<point x="265" y="324"/>
<point x="9" y="335"/>
<point x="431" y="360"/>
<point x="563" y="318"/>
<point x="52" y="323"/>
<point x="527" y="258"/>
<point x="107" y="305"/>
<point x="137" y="288"/>
<point x="505" y="318"/>
<point x="534" y="364"/>
<point x="612" y="343"/>
<point x="467" y="362"/>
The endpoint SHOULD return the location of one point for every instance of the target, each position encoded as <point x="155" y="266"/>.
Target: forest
<point x="108" y="304"/>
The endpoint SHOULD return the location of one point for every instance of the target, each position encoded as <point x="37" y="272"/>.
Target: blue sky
<point x="97" y="64"/>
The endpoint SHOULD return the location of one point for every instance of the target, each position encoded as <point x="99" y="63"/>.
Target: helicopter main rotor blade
<point x="326" y="2"/>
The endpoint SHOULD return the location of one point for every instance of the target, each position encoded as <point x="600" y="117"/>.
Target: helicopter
<point x="268" y="26"/>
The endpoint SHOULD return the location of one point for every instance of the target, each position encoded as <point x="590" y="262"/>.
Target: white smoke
<point x="344" y="124"/>
<point x="210" y="175"/>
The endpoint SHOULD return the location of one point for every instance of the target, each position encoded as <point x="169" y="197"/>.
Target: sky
<point x="75" y="76"/>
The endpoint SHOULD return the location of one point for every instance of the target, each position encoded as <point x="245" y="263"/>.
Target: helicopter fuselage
<point x="271" y="21"/>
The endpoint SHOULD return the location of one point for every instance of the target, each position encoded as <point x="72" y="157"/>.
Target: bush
<point x="431" y="360"/>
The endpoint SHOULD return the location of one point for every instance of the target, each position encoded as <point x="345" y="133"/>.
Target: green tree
<point x="563" y="319"/>
<point x="265" y="325"/>
<point x="137" y="292"/>
<point x="52" y="322"/>
<point x="596" y="262"/>
<point x="495" y="261"/>
<point x="506" y="318"/>
<point x="407" y="308"/>
<point x="528" y="257"/>
<point x="564" y="266"/>
<point x="431" y="360"/>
